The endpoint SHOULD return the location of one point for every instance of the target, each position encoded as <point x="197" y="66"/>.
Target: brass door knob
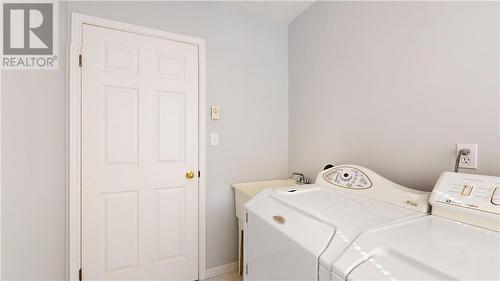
<point x="190" y="175"/>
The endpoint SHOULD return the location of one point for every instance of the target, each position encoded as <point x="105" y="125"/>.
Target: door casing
<point x="74" y="172"/>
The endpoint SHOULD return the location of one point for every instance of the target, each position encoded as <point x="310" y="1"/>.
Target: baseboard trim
<point x="218" y="270"/>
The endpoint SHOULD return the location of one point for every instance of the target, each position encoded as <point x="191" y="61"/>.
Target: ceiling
<point x="276" y="11"/>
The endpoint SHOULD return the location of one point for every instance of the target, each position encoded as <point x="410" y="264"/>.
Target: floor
<point x="233" y="276"/>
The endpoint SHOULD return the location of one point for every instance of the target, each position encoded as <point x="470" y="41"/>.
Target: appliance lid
<point x="345" y="211"/>
<point x="375" y="268"/>
<point x="430" y="247"/>
<point x="348" y="214"/>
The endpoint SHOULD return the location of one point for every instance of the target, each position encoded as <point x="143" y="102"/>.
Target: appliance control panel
<point x="474" y="192"/>
<point x="364" y="182"/>
<point x="348" y="177"/>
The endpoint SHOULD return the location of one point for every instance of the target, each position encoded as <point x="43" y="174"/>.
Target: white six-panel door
<point x="139" y="138"/>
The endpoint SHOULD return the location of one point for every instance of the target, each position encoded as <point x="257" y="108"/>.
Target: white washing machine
<point x="287" y="230"/>
<point x="459" y="241"/>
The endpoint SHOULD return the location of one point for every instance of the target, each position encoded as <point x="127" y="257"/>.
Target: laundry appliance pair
<point x="354" y="224"/>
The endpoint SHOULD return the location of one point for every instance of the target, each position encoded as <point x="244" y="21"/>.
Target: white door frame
<point x="77" y="21"/>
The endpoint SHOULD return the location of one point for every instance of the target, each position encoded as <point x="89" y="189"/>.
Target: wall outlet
<point x="468" y="161"/>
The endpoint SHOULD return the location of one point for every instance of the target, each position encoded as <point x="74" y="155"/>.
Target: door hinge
<point x="246" y="217"/>
<point x="246" y="269"/>
<point x="80" y="275"/>
<point x="80" y="60"/>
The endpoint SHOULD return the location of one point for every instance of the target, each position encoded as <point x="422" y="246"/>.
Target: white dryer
<point x="287" y="230"/>
<point x="459" y="241"/>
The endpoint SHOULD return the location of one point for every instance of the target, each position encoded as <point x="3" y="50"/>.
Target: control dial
<point x="348" y="177"/>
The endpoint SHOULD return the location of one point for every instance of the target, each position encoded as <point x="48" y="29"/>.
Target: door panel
<point x="120" y="236"/>
<point x="121" y="124"/>
<point x="139" y="137"/>
<point x="170" y="223"/>
<point x="171" y="124"/>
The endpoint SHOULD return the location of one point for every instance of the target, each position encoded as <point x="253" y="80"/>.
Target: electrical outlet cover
<point x="470" y="161"/>
<point x="214" y="138"/>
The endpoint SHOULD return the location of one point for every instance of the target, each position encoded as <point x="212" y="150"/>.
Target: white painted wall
<point x="407" y="70"/>
<point x="33" y="125"/>
<point x="246" y="76"/>
<point x="394" y="86"/>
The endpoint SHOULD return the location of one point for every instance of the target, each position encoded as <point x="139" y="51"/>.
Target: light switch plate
<point x="214" y="138"/>
<point x="215" y="112"/>
<point x="469" y="161"/>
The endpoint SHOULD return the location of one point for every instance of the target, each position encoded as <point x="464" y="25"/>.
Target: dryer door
<point x="282" y="243"/>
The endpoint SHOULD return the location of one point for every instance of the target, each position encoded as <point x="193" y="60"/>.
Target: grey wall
<point x="394" y="86"/>
<point x="34" y="189"/>
<point x="246" y="76"/>
<point x="385" y="85"/>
